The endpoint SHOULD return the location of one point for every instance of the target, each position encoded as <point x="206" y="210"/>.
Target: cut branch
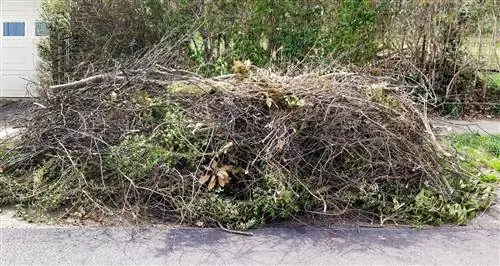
<point x="88" y="81"/>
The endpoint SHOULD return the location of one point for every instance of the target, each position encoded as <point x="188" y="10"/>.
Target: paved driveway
<point x="460" y="126"/>
<point x="271" y="246"/>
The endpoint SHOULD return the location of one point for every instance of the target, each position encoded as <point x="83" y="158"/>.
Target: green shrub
<point x="354" y="38"/>
<point x="272" y="199"/>
<point x="469" y="197"/>
<point x="209" y="38"/>
<point x="177" y="139"/>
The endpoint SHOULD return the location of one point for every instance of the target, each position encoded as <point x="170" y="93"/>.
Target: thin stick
<point x="233" y="231"/>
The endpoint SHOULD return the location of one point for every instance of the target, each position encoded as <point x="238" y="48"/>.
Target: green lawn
<point x="493" y="81"/>
<point x="479" y="153"/>
<point x="485" y="50"/>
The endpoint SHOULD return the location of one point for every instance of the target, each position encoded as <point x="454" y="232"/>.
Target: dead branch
<point x="88" y="81"/>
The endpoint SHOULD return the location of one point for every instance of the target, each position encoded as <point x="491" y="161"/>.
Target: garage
<point x="20" y="31"/>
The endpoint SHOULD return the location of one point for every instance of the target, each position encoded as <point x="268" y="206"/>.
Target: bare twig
<point x="234" y="231"/>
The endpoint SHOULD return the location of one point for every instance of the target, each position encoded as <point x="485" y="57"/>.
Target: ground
<point x="269" y="246"/>
<point x="9" y="112"/>
<point x="460" y="126"/>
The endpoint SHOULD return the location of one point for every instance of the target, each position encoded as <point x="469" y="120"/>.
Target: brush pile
<point x="242" y="149"/>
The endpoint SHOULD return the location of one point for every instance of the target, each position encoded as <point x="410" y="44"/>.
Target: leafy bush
<point x="208" y="36"/>
<point x="428" y="37"/>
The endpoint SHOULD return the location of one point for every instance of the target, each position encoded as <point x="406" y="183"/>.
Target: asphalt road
<point x="460" y="126"/>
<point x="271" y="246"/>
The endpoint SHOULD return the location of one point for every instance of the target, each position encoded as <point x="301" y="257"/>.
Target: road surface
<point x="271" y="246"/>
<point x="460" y="126"/>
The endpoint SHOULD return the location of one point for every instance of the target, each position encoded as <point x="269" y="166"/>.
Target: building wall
<point x="18" y="58"/>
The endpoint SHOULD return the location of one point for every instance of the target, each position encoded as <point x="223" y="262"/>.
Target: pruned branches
<point x="162" y="141"/>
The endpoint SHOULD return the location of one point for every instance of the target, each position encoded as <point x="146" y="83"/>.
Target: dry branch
<point x="332" y="133"/>
<point x="88" y="81"/>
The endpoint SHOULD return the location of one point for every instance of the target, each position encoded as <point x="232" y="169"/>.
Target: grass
<point x="485" y="50"/>
<point x="480" y="152"/>
<point x="492" y="81"/>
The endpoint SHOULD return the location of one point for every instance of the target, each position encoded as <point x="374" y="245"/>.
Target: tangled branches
<point x="238" y="149"/>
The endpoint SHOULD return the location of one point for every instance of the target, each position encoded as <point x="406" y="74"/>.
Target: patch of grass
<point x="479" y="154"/>
<point x="485" y="50"/>
<point x="492" y="81"/>
<point x="479" y="151"/>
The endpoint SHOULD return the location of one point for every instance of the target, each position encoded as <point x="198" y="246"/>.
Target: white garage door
<point x="19" y="33"/>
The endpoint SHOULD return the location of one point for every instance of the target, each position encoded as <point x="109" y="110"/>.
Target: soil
<point x="14" y="110"/>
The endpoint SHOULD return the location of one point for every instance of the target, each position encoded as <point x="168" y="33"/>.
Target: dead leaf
<point x="212" y="183"/>
<point x="269" y="102"/>
<point x="203" y="179"/>
<point x="221" y="181"/>
<point x="214" y="164"/>
<point x="223" y="178"/>
<point x="199" y="223"/>
<point x="226" y="168"/>
<point x="223" y="174"/>
<point x="280" y="145"/>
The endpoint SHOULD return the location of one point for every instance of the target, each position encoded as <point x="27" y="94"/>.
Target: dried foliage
<point x="124" y="129"/>
<point x="439" y="46"/>
<point x="241" y="149"/>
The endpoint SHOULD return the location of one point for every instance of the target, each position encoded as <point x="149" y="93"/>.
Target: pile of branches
<point x="240" y="149"/>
